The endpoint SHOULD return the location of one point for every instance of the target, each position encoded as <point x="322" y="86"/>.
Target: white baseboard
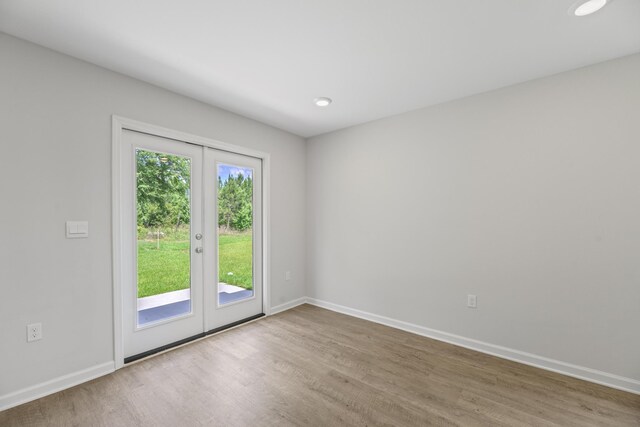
<point x="599" y="377"/>
<point x="587" y="374"/>
<point x="66" y="381"/>
<point x="288" y="305"/>
<point x="43" y="389"/>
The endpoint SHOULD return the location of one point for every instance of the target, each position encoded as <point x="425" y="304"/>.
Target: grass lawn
<point x="235" y="253"/>
<point x="167" y="269"/>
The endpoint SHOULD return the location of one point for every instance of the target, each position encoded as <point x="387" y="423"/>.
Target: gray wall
<point x="55" y="134"/>
<point x="528" y="197"/>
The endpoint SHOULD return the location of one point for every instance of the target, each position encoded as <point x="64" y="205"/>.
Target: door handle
<point x="198" y="250"/>
<point x="198" y="236"/>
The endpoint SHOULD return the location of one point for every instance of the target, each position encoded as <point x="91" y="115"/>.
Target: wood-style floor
<point x="313" y="367"/>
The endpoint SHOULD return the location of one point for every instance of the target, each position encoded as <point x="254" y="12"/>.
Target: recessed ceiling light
<point x="584" y="8"/>
<point x="322" y="101"/>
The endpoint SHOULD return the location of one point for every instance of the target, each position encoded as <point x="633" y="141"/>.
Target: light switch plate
<point x="77" y="229"/>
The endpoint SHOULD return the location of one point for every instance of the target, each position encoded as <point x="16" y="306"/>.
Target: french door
<point x="192" y="229"/>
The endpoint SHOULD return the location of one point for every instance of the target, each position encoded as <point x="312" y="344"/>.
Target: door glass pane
<point x="163" y="184"/>
<point x="235" y="234"/>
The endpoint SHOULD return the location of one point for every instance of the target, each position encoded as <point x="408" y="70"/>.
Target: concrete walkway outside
<point x="176" y="303"/>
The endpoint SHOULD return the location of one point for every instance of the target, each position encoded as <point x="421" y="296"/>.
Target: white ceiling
<point x="269" y="59"/>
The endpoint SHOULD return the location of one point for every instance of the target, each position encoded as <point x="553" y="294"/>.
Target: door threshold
<point x="234" y="324"/>
<point x="190" y="339"/>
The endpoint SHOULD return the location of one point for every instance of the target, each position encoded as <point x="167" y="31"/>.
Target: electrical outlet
<point x="287" y="275"/>
<point x="472" y="301"/>
<point x="34" y="332"/>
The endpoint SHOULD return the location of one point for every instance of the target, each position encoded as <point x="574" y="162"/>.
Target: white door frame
<point x="122" y="123"/>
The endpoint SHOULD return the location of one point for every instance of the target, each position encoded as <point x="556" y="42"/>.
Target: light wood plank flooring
<point x="314" y="367"/>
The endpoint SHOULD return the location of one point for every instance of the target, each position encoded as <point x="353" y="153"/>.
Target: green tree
<point x="235" y="207"/>
<point x="163" y="184"/>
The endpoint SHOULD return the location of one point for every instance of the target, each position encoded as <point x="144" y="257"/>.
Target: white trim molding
<point x="564" y="368"/>
<point x="288" y="305"/>
<point x="52" y="386"/>
<point x="592" y="375"/>
<point x="122" y="123"/>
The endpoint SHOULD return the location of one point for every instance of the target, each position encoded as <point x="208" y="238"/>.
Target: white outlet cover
<point x="472" y="301"/>
<point x="34" y="332"/>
